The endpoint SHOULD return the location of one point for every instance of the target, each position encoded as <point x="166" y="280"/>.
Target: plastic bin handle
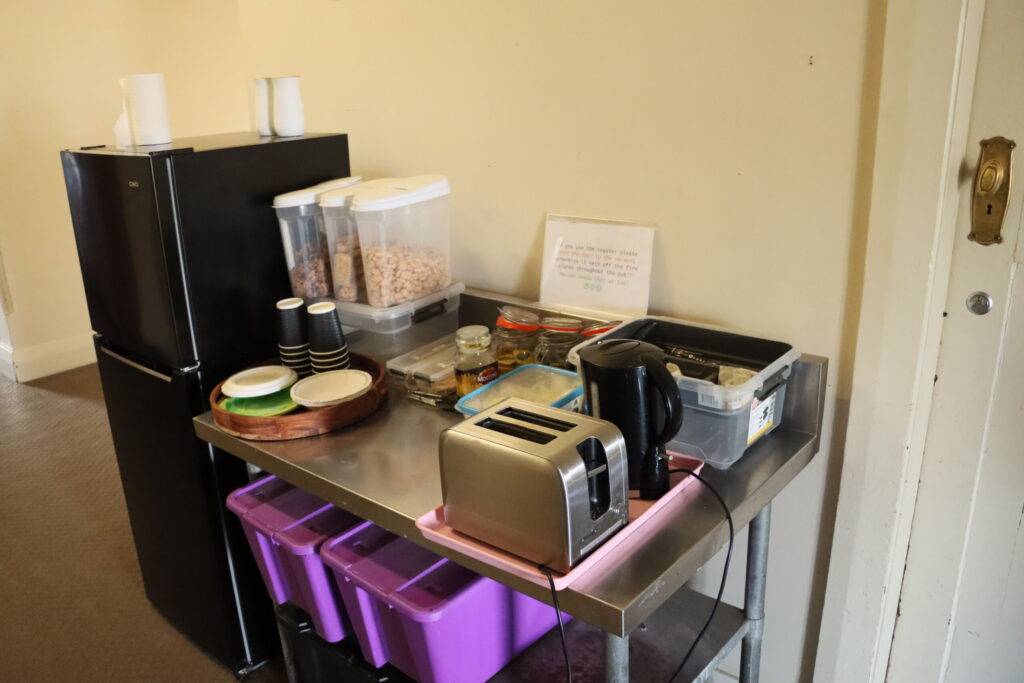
<point x="772" y="383"/>
<point x="666" y="385"/>
<point x="430" y="311"/>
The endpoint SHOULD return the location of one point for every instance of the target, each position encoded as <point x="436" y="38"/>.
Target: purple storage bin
<point x="265" y="507"/>
<point x="383" y="558"/>
<point x="460" y="626"/>
<point x="311" y="587"/>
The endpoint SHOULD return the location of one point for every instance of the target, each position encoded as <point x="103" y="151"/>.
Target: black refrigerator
<point x="182" y="262"/>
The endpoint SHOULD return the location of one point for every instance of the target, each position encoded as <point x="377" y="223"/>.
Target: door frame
<point x="930" y="56"/>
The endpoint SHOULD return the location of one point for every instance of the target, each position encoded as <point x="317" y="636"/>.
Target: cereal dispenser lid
<point x="309" y="195"/>
<point x="402" y="192"/>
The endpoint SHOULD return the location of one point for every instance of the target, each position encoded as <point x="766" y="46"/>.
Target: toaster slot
<point x="515" y="430"/>
<point x="533" y="418"/>
<point x="596" y="461"/>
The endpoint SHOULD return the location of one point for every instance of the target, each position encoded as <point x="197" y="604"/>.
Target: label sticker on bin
<point x="762" y="417"/>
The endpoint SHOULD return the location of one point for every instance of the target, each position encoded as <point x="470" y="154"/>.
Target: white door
<point x="961" y="610"/>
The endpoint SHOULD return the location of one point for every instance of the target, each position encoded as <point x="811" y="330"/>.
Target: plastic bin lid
<point x="353" y="545"/>
<point x="426" y="598"/>
<point x="284" y="511"/>
<point x="350" y="312"/>
<point x="432" y="362"/>
<point x="402" y="193"/>
<point x="392" y="566"/>
<point x="309" y="195"/>
<point x="538" y="383"/>
<point x="257" y="493"/>
<point x="306" y="537"/>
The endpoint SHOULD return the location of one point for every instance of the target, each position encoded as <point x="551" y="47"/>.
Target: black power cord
<point x="561" y="626"/>
<point x="725" y="570"/>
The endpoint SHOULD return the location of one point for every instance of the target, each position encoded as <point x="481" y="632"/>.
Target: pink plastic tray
<point x="433" y="527"/>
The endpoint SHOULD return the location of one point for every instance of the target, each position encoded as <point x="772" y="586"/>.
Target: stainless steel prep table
<point x="385" y="469"/>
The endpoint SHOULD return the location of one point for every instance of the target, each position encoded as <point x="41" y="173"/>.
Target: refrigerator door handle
<point x="138" y="366"/>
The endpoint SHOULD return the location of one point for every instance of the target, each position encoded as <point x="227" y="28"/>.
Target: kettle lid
<point x="618" y="353"/>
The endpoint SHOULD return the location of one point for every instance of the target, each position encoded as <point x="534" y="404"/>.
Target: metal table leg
<point x="287" y="655"/>
<point x="753" y="601"/>
<point x="616" y="658"/>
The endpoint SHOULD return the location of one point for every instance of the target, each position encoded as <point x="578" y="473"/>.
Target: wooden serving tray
<point x="306" y="421"/>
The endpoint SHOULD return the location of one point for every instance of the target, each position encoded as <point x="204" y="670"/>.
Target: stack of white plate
<point x="331" y="388"/>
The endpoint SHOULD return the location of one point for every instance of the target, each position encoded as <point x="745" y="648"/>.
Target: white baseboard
<point x="49" y="358"/>
<point x="6" y="361"/>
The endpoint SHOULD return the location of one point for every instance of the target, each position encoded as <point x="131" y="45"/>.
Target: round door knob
<point x="979" y="303"/>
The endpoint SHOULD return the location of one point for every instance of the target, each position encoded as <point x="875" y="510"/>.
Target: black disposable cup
<point x="291" y="324"/>
<point x="325" y="335"/>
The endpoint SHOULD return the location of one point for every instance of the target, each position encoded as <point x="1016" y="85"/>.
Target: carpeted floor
<point x="72" y="605"/>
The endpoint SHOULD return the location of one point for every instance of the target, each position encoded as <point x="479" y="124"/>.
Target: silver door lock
<point x="979" y="303"/>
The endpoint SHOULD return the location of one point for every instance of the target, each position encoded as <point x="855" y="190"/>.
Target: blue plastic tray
<point x="463" y="405"/>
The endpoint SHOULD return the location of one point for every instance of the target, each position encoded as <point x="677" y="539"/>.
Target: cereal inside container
<point x="404" y="235"/>
<point x="303" y="238"/>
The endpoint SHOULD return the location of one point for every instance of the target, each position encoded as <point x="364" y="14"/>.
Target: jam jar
<point x="515" y="336"/>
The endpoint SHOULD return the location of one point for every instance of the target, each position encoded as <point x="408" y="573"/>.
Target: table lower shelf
<point x="655" y="649"/>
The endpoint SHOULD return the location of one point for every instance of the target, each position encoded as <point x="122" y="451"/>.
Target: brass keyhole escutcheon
<point x="991" y="190"/>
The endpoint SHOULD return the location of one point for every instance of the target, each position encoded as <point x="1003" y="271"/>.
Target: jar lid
<point x="561" y="324"/>
<point x="309" y="195"/>
<point x="402" y="192"/>
<point x="472" y="335"/>
<point x="594" y="329"/>
<point x="515" y="318"/>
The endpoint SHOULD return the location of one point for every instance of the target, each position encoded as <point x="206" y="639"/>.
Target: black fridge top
<point x="201" y="143"/>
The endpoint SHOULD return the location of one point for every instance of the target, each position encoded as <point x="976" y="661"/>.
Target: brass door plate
<point x="991" y="190"/>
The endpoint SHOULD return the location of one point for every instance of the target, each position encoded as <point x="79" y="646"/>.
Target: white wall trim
<point x="930" y="56"/>
<point x="7" y="361"/>
<point x="49" y="358"/>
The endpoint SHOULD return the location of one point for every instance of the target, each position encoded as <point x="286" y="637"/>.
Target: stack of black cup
<point x="292" y="344"/>
<point x="327" y="347"/>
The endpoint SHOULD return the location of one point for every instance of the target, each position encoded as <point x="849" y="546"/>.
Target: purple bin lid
<point x="352" y="546"/>
<point x="257" y="493"/>
<point x="306" y="537"/>
<point x="392" y="566"/>
<point x="284" y="510"/>
<point x="426" y="598"/>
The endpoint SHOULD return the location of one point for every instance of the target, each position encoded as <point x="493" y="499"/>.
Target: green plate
<point x="278" y="403"/>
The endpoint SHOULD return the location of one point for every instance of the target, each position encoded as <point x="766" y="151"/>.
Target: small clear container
<point x="404" y="237"/>
<point x="303" y="238"/>
<point x="429" y="369"/>
<point x="515" y="337"/>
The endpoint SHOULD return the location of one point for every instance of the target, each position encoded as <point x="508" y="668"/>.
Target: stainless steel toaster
<point x="542" y="483"/>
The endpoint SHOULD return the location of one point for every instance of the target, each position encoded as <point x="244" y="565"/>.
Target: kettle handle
<point x="666" y="385"/>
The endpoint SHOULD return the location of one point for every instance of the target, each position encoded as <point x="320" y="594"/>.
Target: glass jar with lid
<point x="515" y="336"/>
<point x="558" y="335"/>
<point x="477" y="364"/>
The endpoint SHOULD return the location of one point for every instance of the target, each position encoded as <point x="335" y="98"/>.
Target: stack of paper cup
<point x="145" y="103"/>
<point x="289" y="116"/>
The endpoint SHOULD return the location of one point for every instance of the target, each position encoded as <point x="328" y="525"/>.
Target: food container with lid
<point x="303" y="238"/>
<point x="429" y="369"/>
<point x="404" y="237"/>
<point x="401" y="316"/>
<point x="515" y="337"/>
<point x="538" y="383"/>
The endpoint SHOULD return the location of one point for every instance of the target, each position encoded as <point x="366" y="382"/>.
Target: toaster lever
<point x="596" y="461"/>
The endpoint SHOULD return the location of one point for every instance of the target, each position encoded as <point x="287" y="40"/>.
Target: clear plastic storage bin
<point x="719" y="422"/>
<point x="404" y="236"/>
<point x="303" y="238"/>
<point x="398" y="318"/>
<point x="538" y="383"/>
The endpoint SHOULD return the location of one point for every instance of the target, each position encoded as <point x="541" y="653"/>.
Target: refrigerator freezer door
<point x="130" y="265"/>
<point x="195" y="566"/>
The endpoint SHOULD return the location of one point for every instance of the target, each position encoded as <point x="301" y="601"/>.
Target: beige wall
<point x="735" y="126"/>
<point x="60" y="68"/>
<point x="744" y="130"/>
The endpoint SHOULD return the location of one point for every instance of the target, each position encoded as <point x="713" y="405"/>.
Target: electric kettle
<point x="625" y="381"/>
